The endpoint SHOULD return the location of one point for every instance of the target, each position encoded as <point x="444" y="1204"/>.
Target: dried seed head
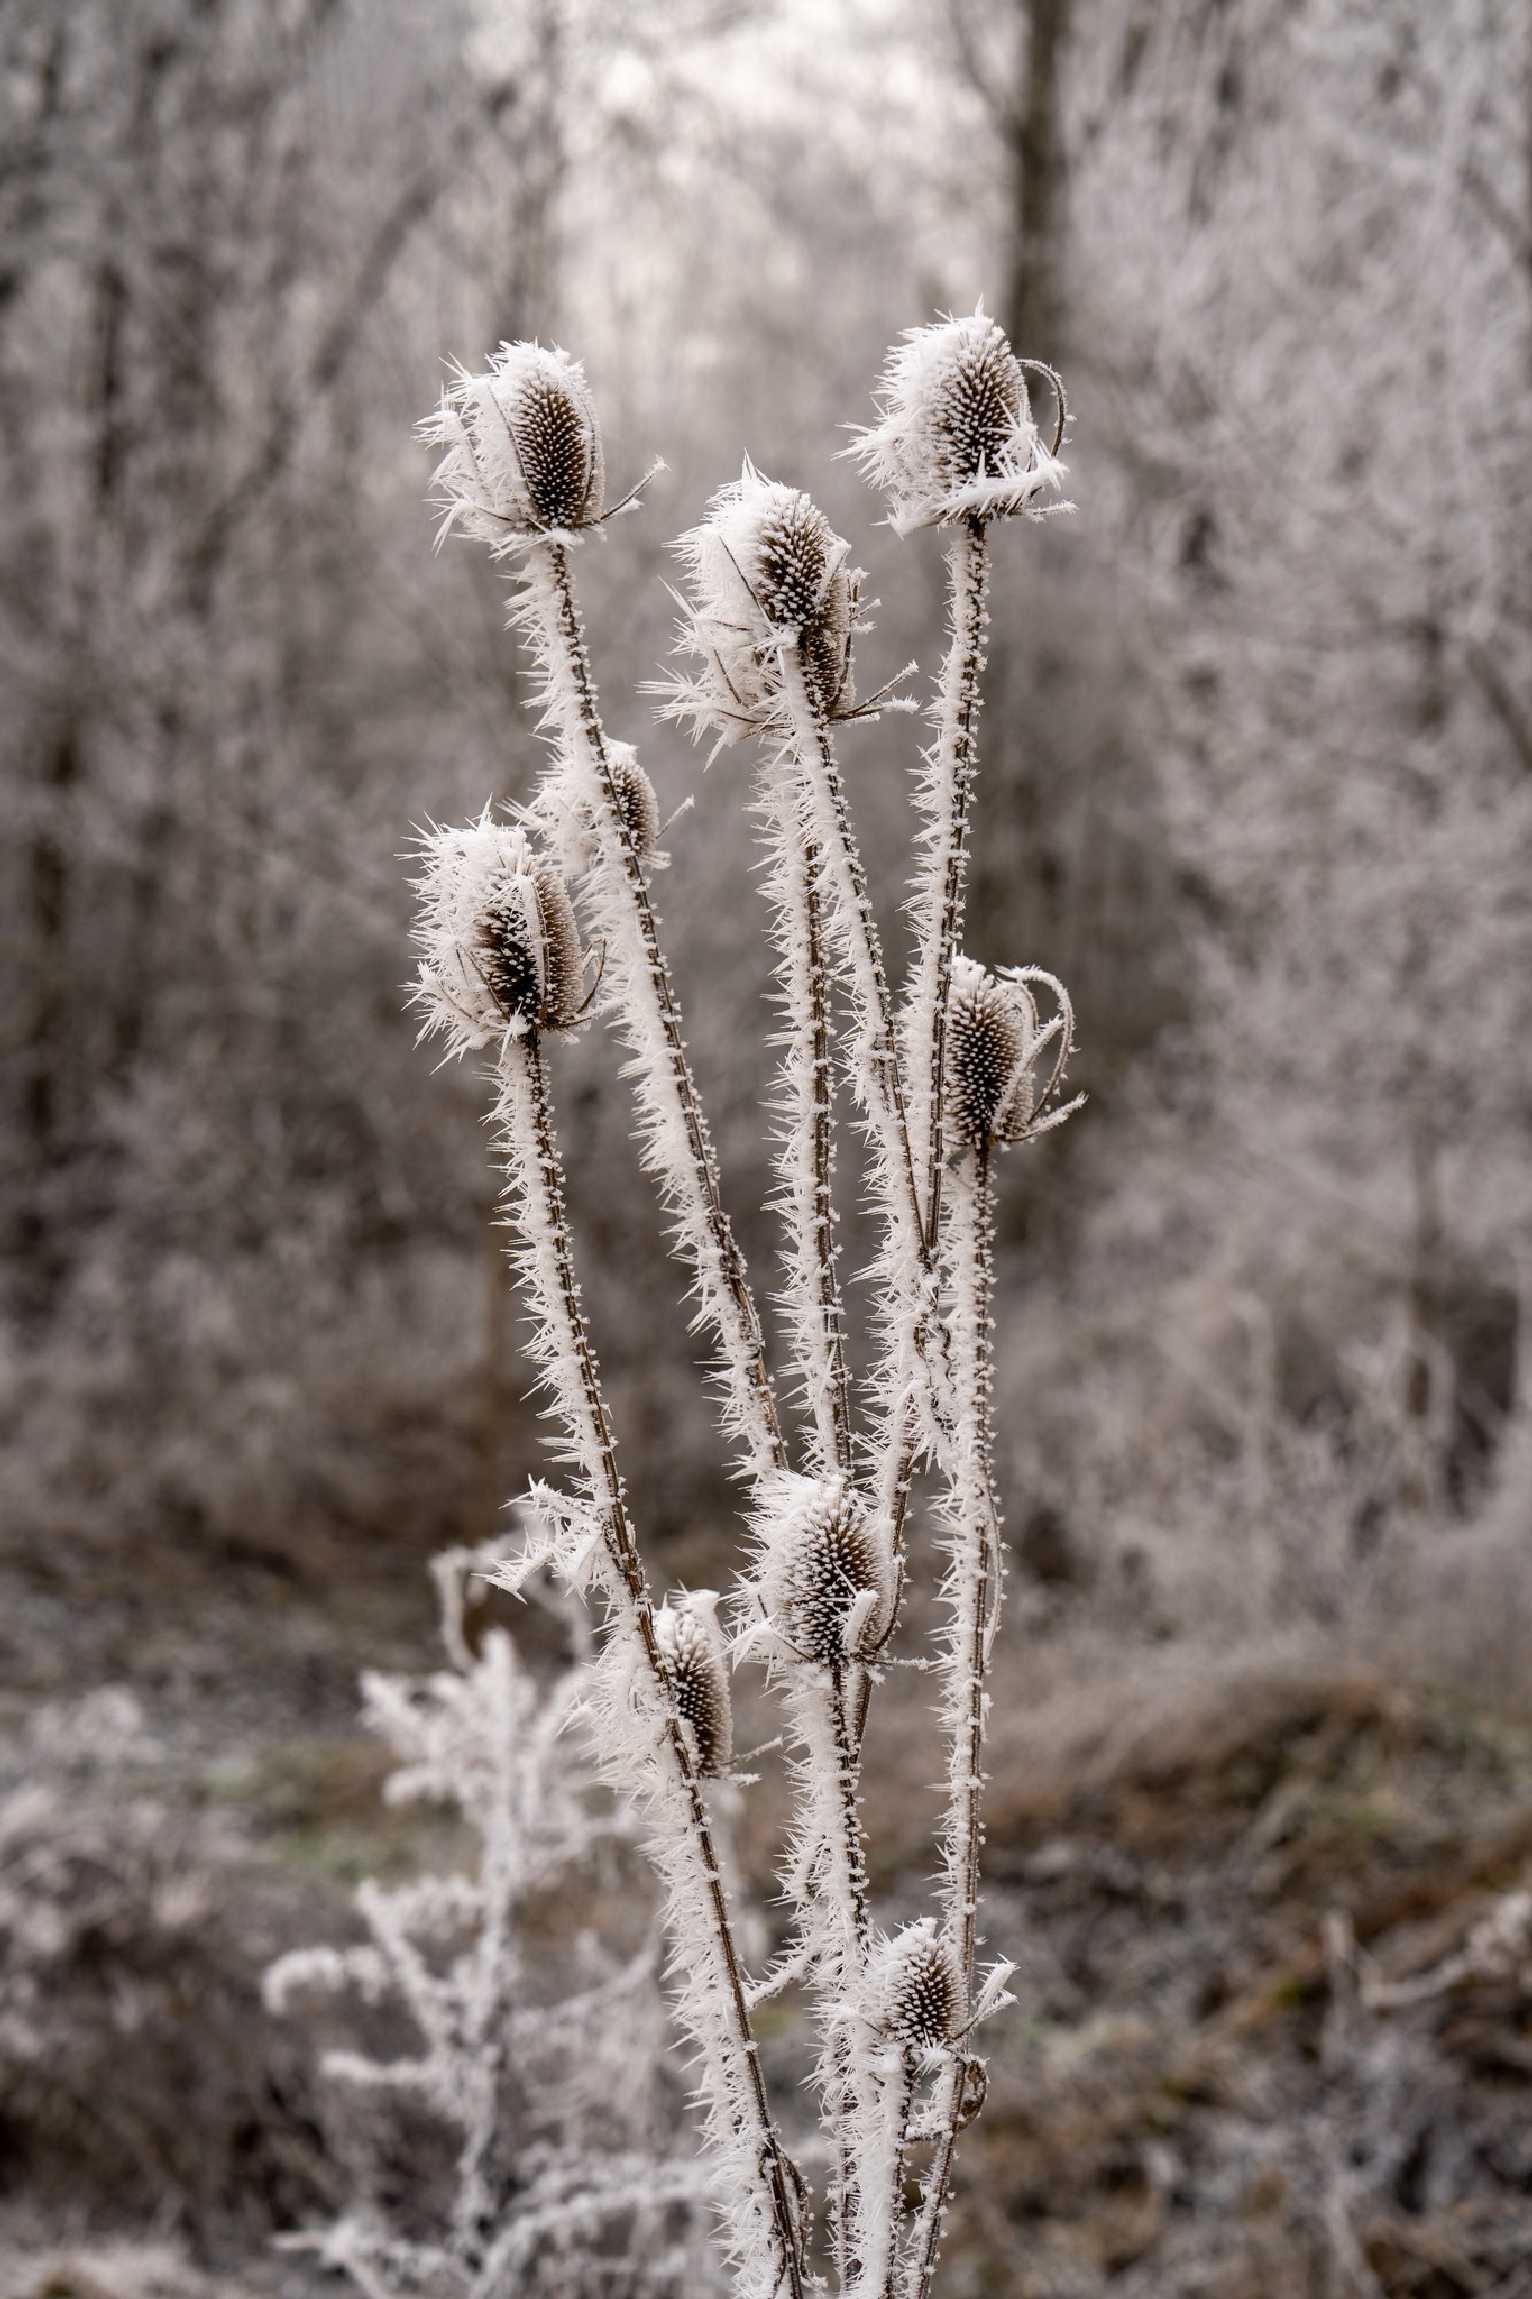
<point x="955" y="437"/>
<point x="499" y="944"/>
<point x="765" y="570"/>
<point x="826" y="1582"/>
<point x="528" y="949"/>
<point x="918" y="1989"/>
<point x="636" y="800"/>
<point x="552" y="419"/>
<point x="692" y="1644"/>
<point x="995" y="1047"/>
<point x="523" y="448"/>
<point x="986" y="1039"/>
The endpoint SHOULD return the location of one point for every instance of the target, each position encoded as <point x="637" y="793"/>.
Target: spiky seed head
<point x="636" y="800"/>
<point x="988" y="1086"/>
<point x="500" y="947"/>
<point x="955" y="436"/>
<point x="918" y="1988"/>
<point x="765" y="570"/>
<point x="826" y="1582"/>
<point x="522" y="448"/>
<point x="997" y="1052"/>
<point x="692" y="1645"/>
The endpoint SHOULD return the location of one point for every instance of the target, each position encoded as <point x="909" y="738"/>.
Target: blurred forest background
<point x="1257" y="784"/>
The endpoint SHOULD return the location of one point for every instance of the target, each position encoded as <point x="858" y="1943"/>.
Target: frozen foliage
<point x="547" y="2069"/>
<point x="966" y="1065"/>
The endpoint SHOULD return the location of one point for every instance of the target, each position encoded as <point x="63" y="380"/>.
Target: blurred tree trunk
<point x="1036" y="306"/>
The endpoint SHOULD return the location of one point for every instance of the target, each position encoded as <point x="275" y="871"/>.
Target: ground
<point x="1210" y="1871"/>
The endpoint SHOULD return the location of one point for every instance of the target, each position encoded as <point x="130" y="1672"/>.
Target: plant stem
<point x="876" y="1066"/>
<point x="945" y="795"/>
<point x="803" y="1110"/>
<point x="944" y="798"/>
<point x="974" y="1583"/>
<point x="902" y="2104"/>
<point x="837" y="1376"/>
<point x="720" y="1265"/>
<point x="548" y="1269"/>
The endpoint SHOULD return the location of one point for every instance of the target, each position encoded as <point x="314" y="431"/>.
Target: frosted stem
<point x="689" y="1175"/>
<point x="875" y="1055"/>
<point x="973" y="1591"/>
<point x="829" y="1878"/>
<point x="803" y="1098"/>
<point x="943" y="797"/>
<point x="901" y="2102"/>
<point x="835" y="1375"/>
<point x="546" y="1266"/>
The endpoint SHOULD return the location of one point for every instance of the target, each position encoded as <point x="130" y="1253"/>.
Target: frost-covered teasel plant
<point x="541" y="922"/>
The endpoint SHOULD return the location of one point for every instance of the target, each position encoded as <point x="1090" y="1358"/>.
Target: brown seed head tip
<point x="920" y="1988"/>
<point x="794" y="558"/>
<point x="527" y="948"/>
<point x="830" y="1581"/>
<point x="765" y="568"/>
<point x="980" y="403"/>
<point x="989" y="1088"/>
<point x="691" y="1644"/>
<point x="955" y="436"/>
<point x="552" y="419"/>
<point x="523" y="448"/>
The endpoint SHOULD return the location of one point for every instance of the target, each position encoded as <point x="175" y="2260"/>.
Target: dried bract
<point x="955" y="437"/>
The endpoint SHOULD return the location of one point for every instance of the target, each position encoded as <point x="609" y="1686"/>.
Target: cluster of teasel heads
<point x="964" y="1064"/>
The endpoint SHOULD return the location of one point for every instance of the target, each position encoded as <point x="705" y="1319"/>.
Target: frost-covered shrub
<point x="528" y="2067"/>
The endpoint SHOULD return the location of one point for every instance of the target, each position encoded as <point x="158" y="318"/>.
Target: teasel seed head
<point x="636" y="799"/>
<point x="918" y="1991"/>
<point x="692" y="1645"/>
<point x="500" y="947"/>
<point x="955" y="437"/>
<point x="826" y="1579"/>
<point x="765" y="570"/>
<point x="523" y="448"/>
<point x="996" y="1045"/>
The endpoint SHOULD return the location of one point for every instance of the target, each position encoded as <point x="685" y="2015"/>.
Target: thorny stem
<point x="830" y="1312"/>
<point x="979" y="1275"/>
<point x="847" y="1767"/>
<point x="903" y="2103"/>
<point x="816" y="758"/>
<point x="977" y="1529"/>
<point x="598" y="1451"/>
<point x="854" y="1949"/>
<point x="956" y="772"/>
<point x="746" y="1342"/>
